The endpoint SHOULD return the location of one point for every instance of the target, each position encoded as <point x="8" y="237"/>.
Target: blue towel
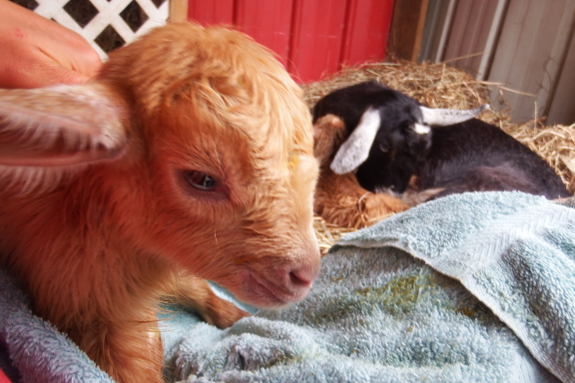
<point x="37" y="351"/>
<point x="477" y="287"/>
<point x="519" y="260"/>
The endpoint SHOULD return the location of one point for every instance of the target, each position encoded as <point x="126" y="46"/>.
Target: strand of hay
<point x="327" y="234"/>
<point x="441" y="86"/>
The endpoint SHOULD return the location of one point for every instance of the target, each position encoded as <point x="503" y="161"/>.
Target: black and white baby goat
<point x="393" y="138"/>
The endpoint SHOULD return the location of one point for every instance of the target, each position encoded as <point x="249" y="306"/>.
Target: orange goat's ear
<point x="64" y="125"/>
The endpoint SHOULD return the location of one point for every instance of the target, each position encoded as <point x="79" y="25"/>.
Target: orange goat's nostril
<point x="298" y="280"/>
<point x="305" y="275"/>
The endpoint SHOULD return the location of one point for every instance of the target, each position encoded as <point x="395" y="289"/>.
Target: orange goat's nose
<point x="305" y="275"/>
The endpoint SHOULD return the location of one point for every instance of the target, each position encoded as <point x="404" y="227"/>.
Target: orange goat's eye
<point x="200" y="180"/>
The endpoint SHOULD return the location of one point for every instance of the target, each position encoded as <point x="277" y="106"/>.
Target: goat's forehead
<point x="400" y="111"/>
<point x="176" y="56"/>
<point x="246" y="149"/>
<point x="187" y="79"/>
<point x="411" y="107"/>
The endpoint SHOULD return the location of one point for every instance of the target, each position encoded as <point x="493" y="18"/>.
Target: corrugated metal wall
<point x="525" y="45"/>
<point x="311" y="37"/>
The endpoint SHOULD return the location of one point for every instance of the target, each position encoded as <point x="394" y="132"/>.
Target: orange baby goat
<point x="190" y="157"/>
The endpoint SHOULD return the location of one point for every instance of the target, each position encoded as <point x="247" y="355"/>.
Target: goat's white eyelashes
<point x="200" y="181"/>
<point x="421" y="129"/>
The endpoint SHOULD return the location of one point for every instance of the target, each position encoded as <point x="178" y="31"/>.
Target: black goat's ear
<point x="444" y="117"/>
<point x="355" y="150"/>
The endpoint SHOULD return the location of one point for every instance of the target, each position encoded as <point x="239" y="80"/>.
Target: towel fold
<point x="36" y="349"/>
<point x="518" y="259"/>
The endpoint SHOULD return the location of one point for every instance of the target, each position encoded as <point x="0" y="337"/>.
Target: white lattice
<point x="108" y="14"/>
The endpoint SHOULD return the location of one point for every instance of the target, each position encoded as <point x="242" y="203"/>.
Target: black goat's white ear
<point x="355" y="150"/>
<point x="60" y="126"/>
<point x="444" y="117"/>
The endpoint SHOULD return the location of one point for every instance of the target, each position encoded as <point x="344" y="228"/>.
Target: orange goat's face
<point x="233" y="211"/>
<point x="229" y="143"/>
<point x="192" y="145"/>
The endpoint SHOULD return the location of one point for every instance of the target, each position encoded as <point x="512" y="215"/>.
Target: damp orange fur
<point x="339" y="199"/>
<point x="189" y="158"/>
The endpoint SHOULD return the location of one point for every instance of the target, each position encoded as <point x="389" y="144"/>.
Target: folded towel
<point x="379" y="313"/>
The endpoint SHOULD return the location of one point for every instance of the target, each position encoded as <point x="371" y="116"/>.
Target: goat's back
<point x="477" y="156"/>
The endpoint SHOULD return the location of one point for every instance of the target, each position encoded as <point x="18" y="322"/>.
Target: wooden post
<point x="178" y="11"/>
<point x="407" y="28"/>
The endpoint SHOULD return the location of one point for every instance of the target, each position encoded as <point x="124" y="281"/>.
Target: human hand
<point x="38" y="52"/>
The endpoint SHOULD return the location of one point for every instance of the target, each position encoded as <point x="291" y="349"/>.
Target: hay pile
<point x="442" y="86"/>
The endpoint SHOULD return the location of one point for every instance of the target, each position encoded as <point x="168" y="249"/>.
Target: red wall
<point x="311" y="37"/>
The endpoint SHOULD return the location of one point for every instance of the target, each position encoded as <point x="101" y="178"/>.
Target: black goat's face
<point x="401" y="142"/>
<point x="390" y="139"/>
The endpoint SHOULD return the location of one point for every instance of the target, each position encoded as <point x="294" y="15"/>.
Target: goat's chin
<point x="388" y="190"/>
<point x="410" y="196"/>
<point x="260" y="292"/>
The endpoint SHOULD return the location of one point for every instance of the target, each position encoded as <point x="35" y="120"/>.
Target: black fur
<point x="397" y="149"/>
<point x="470" y="156"/>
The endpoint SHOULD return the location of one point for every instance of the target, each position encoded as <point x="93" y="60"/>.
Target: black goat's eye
<point x="200" y="180"/>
